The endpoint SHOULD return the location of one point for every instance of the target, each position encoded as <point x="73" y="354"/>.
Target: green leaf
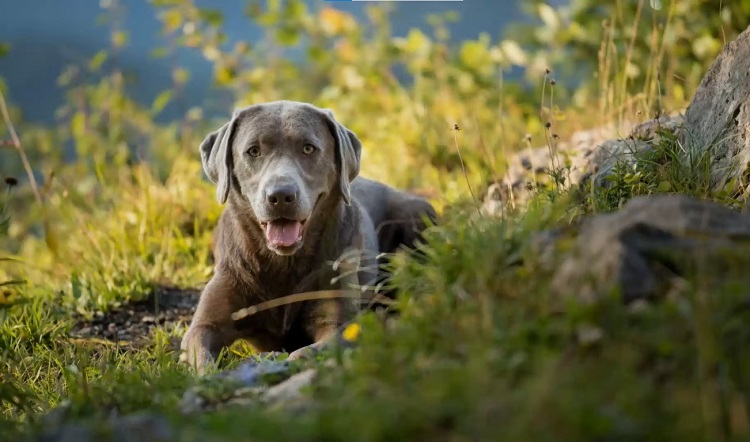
<point x="161" y="101"/>
<point x="97" y="61"/>
<point x="288" y="36"/>
<point x="159" y="52"/>
<point x="213" y="17"/>
<point x="664" y="186"/>
<point x="4" y="49"/>
<point x="119" y="39"/>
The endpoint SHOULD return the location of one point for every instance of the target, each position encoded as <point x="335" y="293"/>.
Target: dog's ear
<point x="348" y="154"/>
<point x="216" y="155"/>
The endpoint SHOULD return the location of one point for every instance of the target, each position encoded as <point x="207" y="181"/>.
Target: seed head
<point x="11" y="182"/>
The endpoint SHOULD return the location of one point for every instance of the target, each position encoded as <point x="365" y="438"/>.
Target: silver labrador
<point x="288" y="173"/>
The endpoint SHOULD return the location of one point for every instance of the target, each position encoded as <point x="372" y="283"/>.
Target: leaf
<point x="549" y="16"/>
<point x="180" y="76"/>
<point x="159" y="52"/>
<point x="12" y="282"/>
<point x="664" y="186"/>
<point x="119" y="39"/>
<point x="50" y="237"/>
<point x="97" y="61"/>
<point x="224" y="75"/>
<point x="161" y="101"/>
<point x="213" y="17"/>
<point x="656" y="4"/>
<point x="4" y="49"/>
<point x="288" y="36"/>
<point x="474" y="54"/>
<point x="172" y="20"/>
<point x="514" y="53"/>
<point x="78" y="124"/>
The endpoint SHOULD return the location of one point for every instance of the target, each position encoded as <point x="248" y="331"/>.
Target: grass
<point x="481" y="350"/>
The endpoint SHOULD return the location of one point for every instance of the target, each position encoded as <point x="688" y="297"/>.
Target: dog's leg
<point x="322" y="319"/>
<point x="212" y="328"/>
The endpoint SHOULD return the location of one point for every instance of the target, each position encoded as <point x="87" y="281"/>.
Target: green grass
<point x="481" y="350"/>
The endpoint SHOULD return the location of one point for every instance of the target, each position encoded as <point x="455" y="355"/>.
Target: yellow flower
<point x="351" y="332"/>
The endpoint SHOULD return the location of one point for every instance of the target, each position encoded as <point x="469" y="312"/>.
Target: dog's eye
<point x="254" y="151"/>
<point x="307" y="149"/>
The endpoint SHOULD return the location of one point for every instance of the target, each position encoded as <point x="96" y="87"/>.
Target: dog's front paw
<point x="195" y="352"/>
<point x="308" y="352"/>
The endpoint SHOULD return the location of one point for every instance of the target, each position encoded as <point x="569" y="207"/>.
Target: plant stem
<point x="17" y="145"/>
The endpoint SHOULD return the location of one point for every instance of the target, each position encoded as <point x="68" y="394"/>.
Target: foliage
<point x="640" y="56"/>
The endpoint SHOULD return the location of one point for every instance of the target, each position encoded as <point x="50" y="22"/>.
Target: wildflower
<point x="548" y="125"/>
<point x="351" y="332"/>
<point x="547" y="71"/>
<point x="552" y="82"/>
<point x="10" y="181"/>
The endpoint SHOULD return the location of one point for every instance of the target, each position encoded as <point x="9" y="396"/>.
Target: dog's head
<point x="281" y="159"/>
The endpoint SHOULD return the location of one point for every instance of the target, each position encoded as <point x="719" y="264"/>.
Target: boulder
<point x="648" y="246"/>
<point x="718" y="118"/>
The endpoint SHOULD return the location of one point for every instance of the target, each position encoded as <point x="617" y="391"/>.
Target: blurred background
<point x="52" y="34"/>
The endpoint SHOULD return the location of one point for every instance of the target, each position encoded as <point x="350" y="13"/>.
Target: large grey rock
<point x="648" y="245"/>
<point x="718" y="118"/>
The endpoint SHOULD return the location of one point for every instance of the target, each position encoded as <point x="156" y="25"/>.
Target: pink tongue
<point x="283" y="233"/>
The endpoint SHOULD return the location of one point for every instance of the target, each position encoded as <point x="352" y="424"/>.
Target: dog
<point x="288" y="175"/>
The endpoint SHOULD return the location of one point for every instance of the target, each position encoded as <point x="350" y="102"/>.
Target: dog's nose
<point x="281" y="195"/>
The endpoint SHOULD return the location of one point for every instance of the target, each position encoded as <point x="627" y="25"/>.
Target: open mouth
<point x="283" y="232"/>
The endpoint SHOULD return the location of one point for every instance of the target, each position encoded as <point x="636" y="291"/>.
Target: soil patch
<point x="134" y="322"/>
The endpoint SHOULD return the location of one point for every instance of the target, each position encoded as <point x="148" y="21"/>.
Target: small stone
<point x="148" y="320"/>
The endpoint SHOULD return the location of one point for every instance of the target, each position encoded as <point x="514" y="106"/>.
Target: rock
<point x="289" y="392"/>
<point x="718" y="117"/>
<point x="141" y="427"/>
<point x="642" y="248"/>
<point x="589" y="155"/>
<point x="242" y="385"/>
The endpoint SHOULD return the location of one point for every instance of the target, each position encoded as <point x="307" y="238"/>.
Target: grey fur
<point x="340" y="212"/>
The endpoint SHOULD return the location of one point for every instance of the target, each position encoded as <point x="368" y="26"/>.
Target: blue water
<point x="47" y="35"/>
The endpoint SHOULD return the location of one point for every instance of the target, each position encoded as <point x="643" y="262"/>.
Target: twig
<point x="17" y="145"/>
<point x="456" y="128"/>
<point x="299" y="297"/>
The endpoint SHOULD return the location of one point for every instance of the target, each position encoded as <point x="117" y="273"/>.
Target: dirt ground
<point x="134" y="322"/>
